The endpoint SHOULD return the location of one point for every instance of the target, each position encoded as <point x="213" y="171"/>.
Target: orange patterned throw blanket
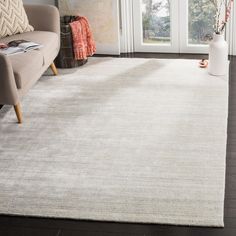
<point x="83" y="41"/>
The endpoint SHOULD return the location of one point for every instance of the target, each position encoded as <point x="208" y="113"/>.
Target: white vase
<point x="218" y="56"/>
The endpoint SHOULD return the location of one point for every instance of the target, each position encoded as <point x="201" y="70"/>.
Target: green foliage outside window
<point x="157" y="25"/>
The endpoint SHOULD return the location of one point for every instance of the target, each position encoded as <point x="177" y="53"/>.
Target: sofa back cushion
<point x="13" y="18"/>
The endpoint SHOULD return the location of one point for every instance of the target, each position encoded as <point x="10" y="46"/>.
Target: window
<point x="173" y="25"/>
<point x="201" y="15"/>
<point x="156" y="21"/>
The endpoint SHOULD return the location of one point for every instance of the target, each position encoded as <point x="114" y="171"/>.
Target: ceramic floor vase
<point x="218" y="56"/>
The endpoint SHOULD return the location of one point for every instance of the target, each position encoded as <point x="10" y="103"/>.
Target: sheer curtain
<point x="231" y="32"/>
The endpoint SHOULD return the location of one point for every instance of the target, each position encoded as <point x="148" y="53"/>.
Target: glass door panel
<point x="156" y="25"/>
<point x="200" y="21"/>
<point x="156" y="22"/>
<point x="196" y="25"/>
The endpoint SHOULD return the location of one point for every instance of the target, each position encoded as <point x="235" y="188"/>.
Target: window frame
<point x="139" y="46"/>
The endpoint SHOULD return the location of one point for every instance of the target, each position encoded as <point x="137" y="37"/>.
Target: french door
<point x="156" y="26"/>
<point x="173" y="26"/>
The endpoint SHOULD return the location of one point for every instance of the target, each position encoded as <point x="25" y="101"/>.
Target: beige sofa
<point x="18" y="73"/>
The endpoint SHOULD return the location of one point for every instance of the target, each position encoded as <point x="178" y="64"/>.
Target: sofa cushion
<point x="26" y="65"/>
<point x="13" y="19"/>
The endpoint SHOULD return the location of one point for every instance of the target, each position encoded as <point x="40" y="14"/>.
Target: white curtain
<point x="231" y="32"/>
<point x="127" y="26"/>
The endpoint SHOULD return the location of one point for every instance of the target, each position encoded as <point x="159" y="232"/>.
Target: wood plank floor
<point x="26" y="226"/>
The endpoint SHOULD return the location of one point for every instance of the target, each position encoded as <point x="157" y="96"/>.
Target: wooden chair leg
<point x="54" y="69"/>
<point x="18" y="113"/>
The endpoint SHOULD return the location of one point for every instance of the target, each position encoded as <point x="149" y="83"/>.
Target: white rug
<point x="130" y="140"/>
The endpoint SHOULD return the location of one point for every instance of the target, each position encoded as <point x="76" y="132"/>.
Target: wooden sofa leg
<point x="18" y="113"/>
<point x="54" y="69"/>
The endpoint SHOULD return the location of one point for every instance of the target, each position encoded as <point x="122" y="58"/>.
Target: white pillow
<point x="13" y="18"/>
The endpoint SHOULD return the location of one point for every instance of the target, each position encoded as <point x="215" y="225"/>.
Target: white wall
<point x="103" y="16"/>
<point x="39" y="1"/>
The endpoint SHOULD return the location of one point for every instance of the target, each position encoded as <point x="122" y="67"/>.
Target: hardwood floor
<point x="25" y="226"/>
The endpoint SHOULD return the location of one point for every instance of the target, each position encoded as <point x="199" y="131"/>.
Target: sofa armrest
<point x="44" y="17"/>
<point x="8" y="90"/>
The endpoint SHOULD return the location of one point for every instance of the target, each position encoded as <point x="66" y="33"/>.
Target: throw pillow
<point x="13" y="18"/>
